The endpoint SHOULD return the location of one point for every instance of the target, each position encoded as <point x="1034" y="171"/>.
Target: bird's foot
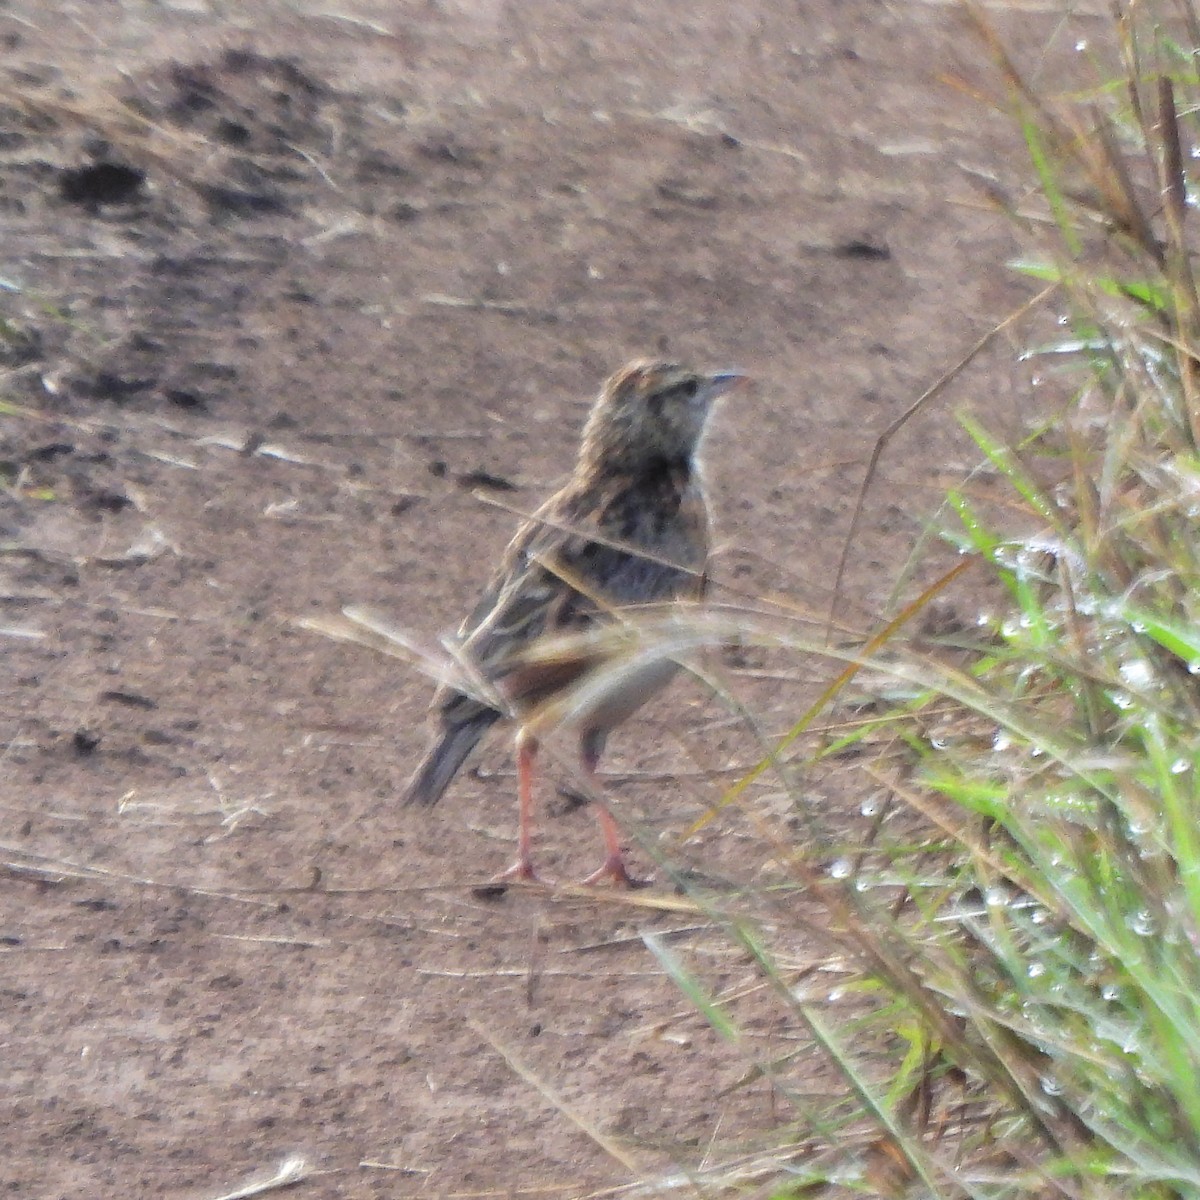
<point x="521" y="871"/>
<point x="614" y="868"/>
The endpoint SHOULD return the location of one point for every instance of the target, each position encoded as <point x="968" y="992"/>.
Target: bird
<point x="629" y="528"/>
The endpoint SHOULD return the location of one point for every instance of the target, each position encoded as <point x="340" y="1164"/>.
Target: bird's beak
<point x="728" y="381"/>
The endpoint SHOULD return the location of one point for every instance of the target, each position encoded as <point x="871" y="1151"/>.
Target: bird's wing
<point x="586" y="551"/>
<point x="529" y="595"/>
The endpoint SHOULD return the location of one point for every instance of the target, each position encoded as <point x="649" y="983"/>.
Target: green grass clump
<point x="1024" y="963"/>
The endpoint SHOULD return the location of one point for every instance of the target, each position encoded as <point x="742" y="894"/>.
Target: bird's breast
<point x="628" y="688"/>
<point x="663" y="519"/>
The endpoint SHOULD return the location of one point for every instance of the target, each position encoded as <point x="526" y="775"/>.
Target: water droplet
<point x="996" y="895"/>
<point x="1137" y="672"/>
<point x="871" y="805"/>
<point x="841" y="868"/>
<point x="1036" y="970"/>
<point x="1179" y="766"/>
<point x="938" y="743"/>
<point x="1110" y="992"/>
<point x="1001" y="742"/>
<point x="1050" y="1086"/>
<point x="1081" y="45"/>
<point x="1123" y="700"/>
<point x="1142" y="923"/>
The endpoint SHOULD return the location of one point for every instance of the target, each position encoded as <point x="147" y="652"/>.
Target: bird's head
<point x="651" y="414"/>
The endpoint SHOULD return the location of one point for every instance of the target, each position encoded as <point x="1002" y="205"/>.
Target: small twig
<point x="328" y="14"/>
<point x="23" y="632"/>
<point x="307" y="943"/>
<point x="291" y="1170"/>
<point x="507" y="308"/>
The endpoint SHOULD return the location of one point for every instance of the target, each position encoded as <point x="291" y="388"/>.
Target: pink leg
<point x="527" y="748"/>
<point x="613" y="866"/>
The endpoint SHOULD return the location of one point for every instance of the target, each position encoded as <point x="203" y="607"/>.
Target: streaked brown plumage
<point x="630" y="527"/>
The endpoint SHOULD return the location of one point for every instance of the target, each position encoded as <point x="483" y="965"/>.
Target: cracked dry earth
<point x="301" y="302"/>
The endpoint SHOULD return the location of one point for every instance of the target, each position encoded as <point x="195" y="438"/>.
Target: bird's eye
<point x="687" y="389"/>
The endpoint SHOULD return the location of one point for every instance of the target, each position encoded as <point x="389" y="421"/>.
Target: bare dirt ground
<point x="302" y="299"/>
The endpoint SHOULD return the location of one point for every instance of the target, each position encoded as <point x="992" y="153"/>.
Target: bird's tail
<point x="444" y="758"/>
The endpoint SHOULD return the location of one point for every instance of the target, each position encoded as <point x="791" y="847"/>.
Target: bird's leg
<point x="613" y="866"/>
<point x="527" y="748"/>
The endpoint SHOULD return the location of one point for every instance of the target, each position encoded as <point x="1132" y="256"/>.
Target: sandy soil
<point x="303" y="300"/>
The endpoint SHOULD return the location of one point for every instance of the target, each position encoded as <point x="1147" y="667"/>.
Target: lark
<point x="630" y="528"/>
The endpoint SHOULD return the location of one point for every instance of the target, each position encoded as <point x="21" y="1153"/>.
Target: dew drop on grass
<point x="841" y="868"/>
<point x="938" y="742"/>
<point x="1036" y="970"/>
<point x="1180" y="766"/>
<point x="1051" y="1086"/>
<point x="1081" y="45"/>
<point x="1001" y="742"/>
<point x="1111" y="992"/>
<point x="1121" y="699"/>
<point x="848" y="1177"/>
<point x="1142" y="923"/>
<point x="1137" y="672"/>
<point x="996" y="896"/>
<point x="871" y="805"/>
